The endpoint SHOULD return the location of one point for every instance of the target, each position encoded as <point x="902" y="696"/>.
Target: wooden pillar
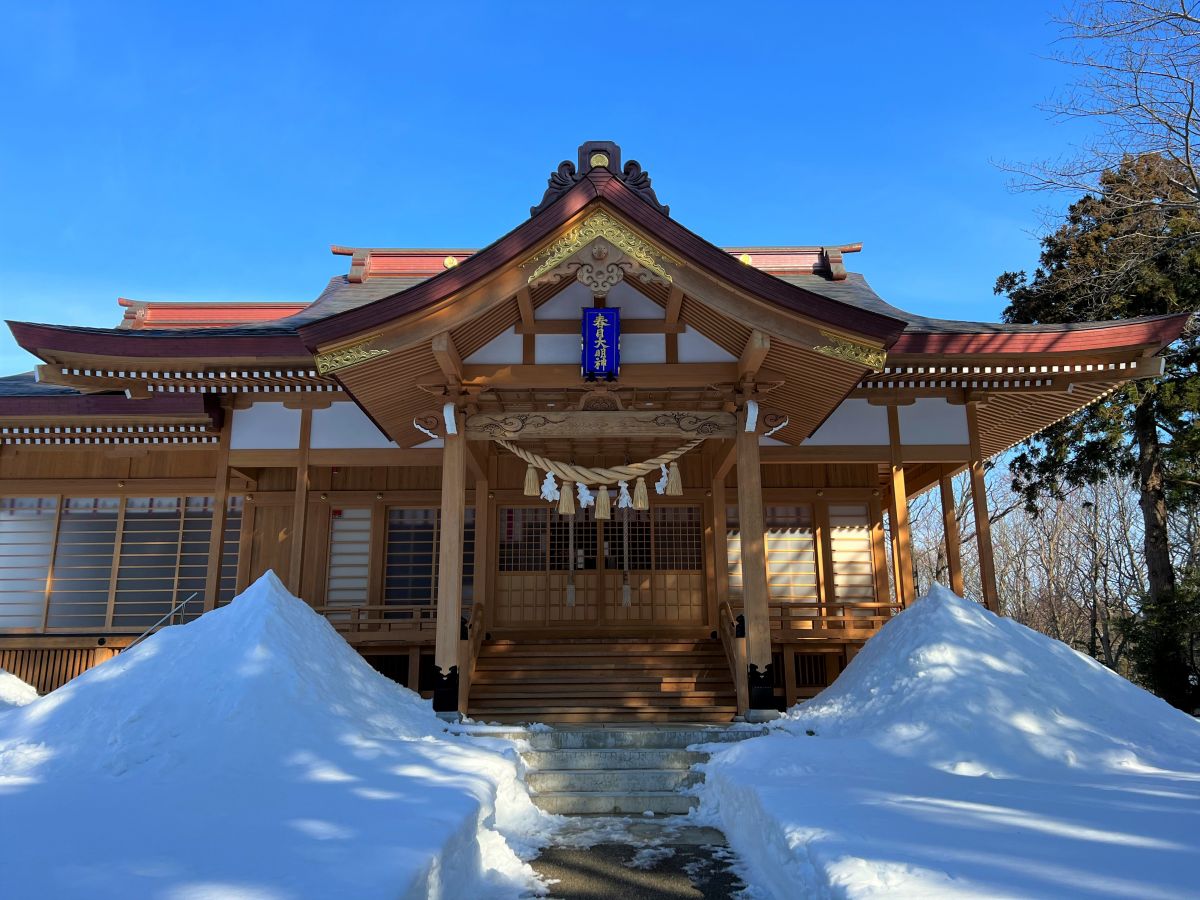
<point x="950" y="532"/>
<point x="900" y="527"/>
<point x="983" y="525"/>
<point x="450" y="552"/>
<point x="300" y="507"/>
<point x="755" y="605"/>
<point x="216" y="538"/>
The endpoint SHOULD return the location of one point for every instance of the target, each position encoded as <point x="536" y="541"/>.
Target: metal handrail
<point x="176" y="608"/>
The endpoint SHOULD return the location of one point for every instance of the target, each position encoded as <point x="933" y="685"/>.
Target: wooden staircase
<point x="602" y="680"/>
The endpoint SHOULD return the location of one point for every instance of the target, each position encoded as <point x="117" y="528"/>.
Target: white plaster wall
<point x="932" y="420"/>
<point x="265" y="426"/>
<point x="696" y="348"/>
<point x="503" y="350"/>
<point x="643" y="348"/>
<point x="568" y="303"/>
<point x="557" y="348"/>
<point x="343" y="426"/>
<point x="854" y="422"/>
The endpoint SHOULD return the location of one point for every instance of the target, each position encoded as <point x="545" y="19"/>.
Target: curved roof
<point x="372" y="294"/>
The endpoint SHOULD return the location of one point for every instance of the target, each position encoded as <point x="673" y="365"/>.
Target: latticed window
<point x="411" y="568"/>
<point x="678" y="538"/>
<point x="523" y="540"/>
<point x="96" y="563"/>
<point x="83" y="562"/>
<point x="349" y="571"/>
<point x="584" y="540"/>
<point x="27" y="526"/>
<point x="163" y="558"/>
<point x="791" y="553"/>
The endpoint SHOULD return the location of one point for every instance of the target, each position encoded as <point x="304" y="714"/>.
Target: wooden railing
<point x="735" y="653"/>
<point x="468" y="653"/>
<point x="837" y="621"/>
<point x="382" y="622"/>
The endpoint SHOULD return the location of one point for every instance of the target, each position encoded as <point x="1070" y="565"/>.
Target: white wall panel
<point x="265" y="426"/>
<point x="643" y="348"/>
<point x="933" y="420"/>
<point x="503" y="350"/>
<point x="855" y="422"/>
<point x="344" y="426"/>
<point x="696" y="348"/>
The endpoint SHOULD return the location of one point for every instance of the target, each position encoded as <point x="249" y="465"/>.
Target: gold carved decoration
<point x="344" y="357"/>
<point x="852" y="351"/>
<point x="600" y="225"/>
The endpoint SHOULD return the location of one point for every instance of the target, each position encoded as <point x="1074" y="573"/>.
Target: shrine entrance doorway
<point x="640" y="571"/>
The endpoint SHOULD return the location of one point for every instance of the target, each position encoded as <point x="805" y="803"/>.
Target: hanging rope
<point x="588" y="475"/>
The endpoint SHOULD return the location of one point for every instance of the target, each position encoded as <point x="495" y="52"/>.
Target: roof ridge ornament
<point x="599" y="155"/>
<point x="597" y="271"/>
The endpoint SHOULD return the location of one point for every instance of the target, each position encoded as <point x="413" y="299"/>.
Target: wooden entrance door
<point x="658" y="552"/>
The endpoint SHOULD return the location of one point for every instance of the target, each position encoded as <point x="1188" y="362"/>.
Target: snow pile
<point x="252" y="754"/>
<point x="15" y="692"/>
<point x="962" y="754"/>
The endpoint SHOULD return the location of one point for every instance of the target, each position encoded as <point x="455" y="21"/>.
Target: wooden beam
<point x="758" y="345"/>
<point x="900" y="524"/>
<point x="447" y="356"/>
<point x="724" y="460"/>
<point x="525" y="306"/>
<point x="600" y="424"/>
<point x="450" y="558"/>
<point x="983" y="525"/>
<point x="300" y="506"/>
<point x="755" y="604"/>
<point x="216" y="537"/>
<point x="628" y="326"/>
<point x="674" y="303"/>
<point x="477" y="460"/>
<point x="950" y="533"/>
<point x="634" y="375"/>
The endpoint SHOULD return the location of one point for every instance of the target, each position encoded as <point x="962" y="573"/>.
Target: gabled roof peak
<point x="604" y="155"/>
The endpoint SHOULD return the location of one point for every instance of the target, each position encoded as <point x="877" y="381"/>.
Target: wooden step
<point x="602" y="680"/>
<point x="571" y="716"/>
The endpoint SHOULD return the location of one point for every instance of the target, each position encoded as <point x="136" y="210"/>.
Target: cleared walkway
<point x="626" y="789"/>
<point x="614" y="859"/>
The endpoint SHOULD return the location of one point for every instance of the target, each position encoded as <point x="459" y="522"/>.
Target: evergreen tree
<point x="1112" y="259"/>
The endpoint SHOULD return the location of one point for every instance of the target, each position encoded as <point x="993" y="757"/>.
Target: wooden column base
<point x="445" y="692"/>
<point x="761" y="686"/>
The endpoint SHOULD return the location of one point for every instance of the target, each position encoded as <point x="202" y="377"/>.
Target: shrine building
<point x="600" y="470"/>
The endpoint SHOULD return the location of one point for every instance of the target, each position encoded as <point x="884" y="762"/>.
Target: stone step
<point x="599" y="803"/>
<point x="637" y="738"/>
<point x="621" y="758"/>
<point x="611" y="781"/>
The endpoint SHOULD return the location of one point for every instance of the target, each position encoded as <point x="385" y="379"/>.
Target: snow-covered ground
<point x="964" y="755"/>
<point x="15" y="692"/>
<point x="253" y="755"/>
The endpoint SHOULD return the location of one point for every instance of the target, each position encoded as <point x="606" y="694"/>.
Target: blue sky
<point x="214" y="151"/>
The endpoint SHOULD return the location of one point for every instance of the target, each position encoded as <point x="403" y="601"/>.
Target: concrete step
<point x="611" y="781"/>
<point x="660" y="758"/>
<point x="637" y="738"/>
<point x="599" y="803"/>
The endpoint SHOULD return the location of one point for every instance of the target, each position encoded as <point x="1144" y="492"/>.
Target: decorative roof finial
<point x="599" y="155"/>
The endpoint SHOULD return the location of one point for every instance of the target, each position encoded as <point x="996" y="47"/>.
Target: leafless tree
<point x="1136" y="64"/>
<point x="1074" y="572"/>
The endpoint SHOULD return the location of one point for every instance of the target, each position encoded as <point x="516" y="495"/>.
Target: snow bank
<point x="14" y="691"/>
<point x="252" y="754"/>
<point x="962" y="754"/>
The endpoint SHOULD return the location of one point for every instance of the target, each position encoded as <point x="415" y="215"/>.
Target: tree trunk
<point x="1153" y="501"/>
